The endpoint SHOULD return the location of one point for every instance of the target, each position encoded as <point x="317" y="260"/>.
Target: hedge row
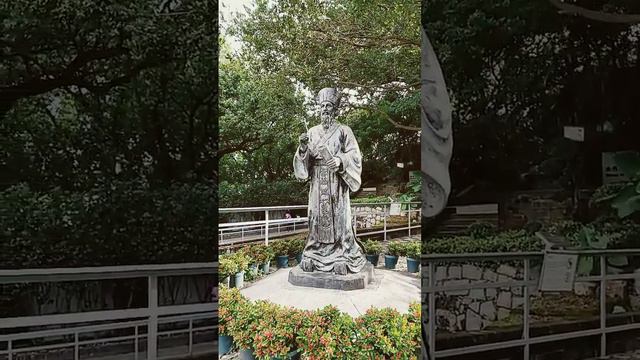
<point x="270" y="330"/>
<point x="115" y="224"/>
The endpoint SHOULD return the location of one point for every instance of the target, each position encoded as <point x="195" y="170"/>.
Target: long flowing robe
<point x="331" y="237"/>
<point x="437" y="137"/>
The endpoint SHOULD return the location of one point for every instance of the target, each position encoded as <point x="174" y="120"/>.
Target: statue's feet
<point x="340" y="269"/>
<point x="307" y="265"/>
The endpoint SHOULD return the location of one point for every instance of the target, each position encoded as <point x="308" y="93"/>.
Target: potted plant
<point x="413" y="252"/>
<point x="244" y="328"/>
<point x="251" y="252"/>
<point x="266" y="255"/>
<point x="227" y="267"/>
<point x="296" y="246"/>
<point x="281" y="250"/>
<point x="330" y="334"/>
<point x="372" y="250"/>
<point x="276" y="338"/>
<point x="394" y="251"/>
<point x="242" y="263"/>
<point x="230" y="302"/>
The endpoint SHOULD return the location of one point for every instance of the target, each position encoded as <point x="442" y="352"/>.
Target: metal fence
<point x="429" y="289"/>
<point x="231" y="233"/>
<point x="73" y="329"/>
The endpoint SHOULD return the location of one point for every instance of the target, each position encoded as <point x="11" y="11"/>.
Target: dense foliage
<point x="107" y="132"/>
<point x="271" y="330"/>
<point x="293" y="48"/>
<point x="518" y="71"/>
<point x="124" y="223"/>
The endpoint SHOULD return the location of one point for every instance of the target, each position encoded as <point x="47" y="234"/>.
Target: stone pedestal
<point x="324" y="280"/>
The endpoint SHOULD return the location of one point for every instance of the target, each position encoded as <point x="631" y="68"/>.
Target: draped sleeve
<point x="350" y="158"/>
<point x="301" y="164"/>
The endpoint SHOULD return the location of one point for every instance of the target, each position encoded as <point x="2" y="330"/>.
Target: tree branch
<point x="389" y="118"/>
<point x="601" y="16"/>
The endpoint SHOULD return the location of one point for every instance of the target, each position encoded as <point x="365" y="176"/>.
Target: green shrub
<point x="241" y="260"/>
<point x="413" y="249"/>
<point x="296" y="246"/>
<point x="508" y="241"/>
<point x="397" y="248"/>
<point x="276" y="330"/>
<point x="280" y="247"/>
<point x="386" y="332"/>
<point x="272" y="330"/>
<point x="227" y="266"/>
<point x="372" y="247"/>
<point x="112" y="224"/>
<point x="481" y="230"/>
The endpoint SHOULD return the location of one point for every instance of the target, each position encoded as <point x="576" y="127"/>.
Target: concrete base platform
<point x="394" y="289"/>
<point x="324" y="280"/>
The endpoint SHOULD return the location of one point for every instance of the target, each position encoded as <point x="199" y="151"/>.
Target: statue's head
<point x="329" y="100"/>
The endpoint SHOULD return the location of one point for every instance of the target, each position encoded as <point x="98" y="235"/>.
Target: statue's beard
<point x="327" y="120"/>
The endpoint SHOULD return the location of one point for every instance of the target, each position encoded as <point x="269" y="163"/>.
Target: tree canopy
<point x="107" y="132"/>
<point x="290" y="49"/>
<point x="519" y="71"/>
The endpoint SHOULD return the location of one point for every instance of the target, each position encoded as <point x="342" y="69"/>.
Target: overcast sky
<point x="228" y="9"/>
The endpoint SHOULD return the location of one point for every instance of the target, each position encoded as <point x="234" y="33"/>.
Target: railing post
<point x="190" y="336"/>
<point x="527" y="304"/>
<point x="10" y="349"/>
<point x="603" y="305"/>
<point x="266" y="227"/>
<point x="409" y="218"/>
<point x="152" y="327"/>
<point x="431" y="312"/>
<point x="76" y="346"/>
<point x="384" y="219"/>
<point x="136" y="347"/>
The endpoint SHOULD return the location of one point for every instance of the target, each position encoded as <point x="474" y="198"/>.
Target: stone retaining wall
<point x="472" y="310"/>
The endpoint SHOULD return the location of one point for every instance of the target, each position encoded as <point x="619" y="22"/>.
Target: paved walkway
<point x="392" y="288"/>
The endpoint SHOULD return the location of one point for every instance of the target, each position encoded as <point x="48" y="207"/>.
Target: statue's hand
<point x="304" y="141"/>
<point x="334" y="163"/>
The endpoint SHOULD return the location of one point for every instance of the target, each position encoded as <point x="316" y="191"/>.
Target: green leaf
<point x="585" y="265"/>
<point x="629" y="163"/>
<point x="599" y="242"/>
<point x="628" y="207"/>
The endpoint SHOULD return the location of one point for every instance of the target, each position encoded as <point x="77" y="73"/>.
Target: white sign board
<point x="610" y="172"/>
<point x="575" y="133"/>
<point x="558" y="272"/>
<point x="395" y="209"/>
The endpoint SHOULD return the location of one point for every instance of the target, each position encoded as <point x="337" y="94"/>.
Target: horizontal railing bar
<point x="40" y="348"/>
<point x="261" y="223"/>
<point x="71" y="330"/>
<point x="475" y="256"/>
<point x="101" y="327"/>
<point x="480" y="348"/>
<point x="106" y="315"/>
<point x="62" y="319"/>
<point x="598" y="252"/>
<point x="190" y="308"/>
<point x="167" y="319"/>
<point x="477" y="285"/>
<point x="292" y="207"/>
<point x="104" y="272"/>
<point x="260" y="208"/>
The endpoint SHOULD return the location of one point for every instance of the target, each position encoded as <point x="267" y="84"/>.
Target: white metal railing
<point x="149" y="317"/>
<point x="430" y="289"/>
<point x="261" y="230"/>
